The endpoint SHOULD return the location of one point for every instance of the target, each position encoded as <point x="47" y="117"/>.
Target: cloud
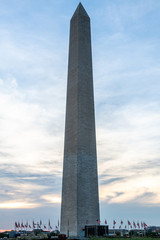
<point x="19" y="182"/>
<point x="110" y="180"/>
<point x="52" y="198"/>
<point x="31" y="120"/>
<point x="17" y="205"/>
<point x="129" y="137"/>
<point x="23" y="128"/>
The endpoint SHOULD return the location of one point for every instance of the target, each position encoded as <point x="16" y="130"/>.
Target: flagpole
<point x="58" y="224"/>
<point x="114" y="226"/>
<point x="68" y="227"/>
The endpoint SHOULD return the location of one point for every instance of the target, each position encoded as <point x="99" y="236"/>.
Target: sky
<point x="34" y="39"/>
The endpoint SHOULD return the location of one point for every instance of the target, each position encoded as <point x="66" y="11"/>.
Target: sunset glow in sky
<point x="34" y="39"/>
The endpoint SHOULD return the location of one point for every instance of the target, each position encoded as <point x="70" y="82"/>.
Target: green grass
<point x="123" y="238"/>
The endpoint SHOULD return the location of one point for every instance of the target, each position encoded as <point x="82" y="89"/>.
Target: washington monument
<point x="80" y="201"/>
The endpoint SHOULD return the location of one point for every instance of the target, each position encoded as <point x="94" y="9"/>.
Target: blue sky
<point x="34" y="38"/>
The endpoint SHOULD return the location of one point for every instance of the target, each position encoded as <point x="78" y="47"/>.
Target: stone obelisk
<point x="80" y="201"/>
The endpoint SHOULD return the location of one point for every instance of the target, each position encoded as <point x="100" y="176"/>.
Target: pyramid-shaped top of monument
<point x="80" y="11"/>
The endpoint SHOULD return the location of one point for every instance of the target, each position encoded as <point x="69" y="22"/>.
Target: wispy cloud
<point x="17" y="205"/>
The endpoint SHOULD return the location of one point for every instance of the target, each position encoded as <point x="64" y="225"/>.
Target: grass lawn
<point x="123" y="238"/>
